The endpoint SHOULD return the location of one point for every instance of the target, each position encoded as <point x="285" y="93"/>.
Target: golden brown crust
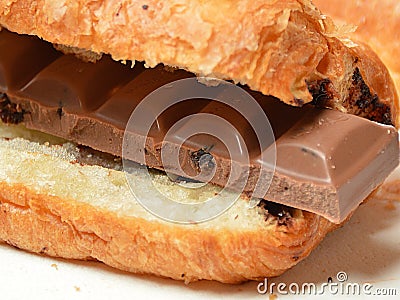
<point x="378" y="23"/>
<point x="70" y="229"/>
<point x="376" y="77"/>
<point x="276" y="47"/>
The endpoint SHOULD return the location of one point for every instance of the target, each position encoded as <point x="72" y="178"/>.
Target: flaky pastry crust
<point x="280" y="48"/>
<point x="378" y="23"/>
<point x="66" y="228"/>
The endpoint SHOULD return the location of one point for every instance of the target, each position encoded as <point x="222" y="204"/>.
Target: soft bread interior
<point x="50" y="165"/>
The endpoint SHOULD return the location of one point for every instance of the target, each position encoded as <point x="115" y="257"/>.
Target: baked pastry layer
<point x="377" y="23"/>
<point x="286" y="49"/>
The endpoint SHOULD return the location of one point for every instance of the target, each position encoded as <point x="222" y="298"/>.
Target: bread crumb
<point x="392" y="188"/>
<point x="82" y="54"/>
<point x="77" y="288"/>
<point x="273" y="297"/>
<point x="54" y="266"/>
<point x="390" y="206"/>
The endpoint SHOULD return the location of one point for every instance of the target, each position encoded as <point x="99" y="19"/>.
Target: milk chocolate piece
<point x="21" y="59"/>
<point x="327" y="161"/>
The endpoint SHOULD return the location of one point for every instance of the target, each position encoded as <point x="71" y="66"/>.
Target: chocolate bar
<point x="323" y="161"/>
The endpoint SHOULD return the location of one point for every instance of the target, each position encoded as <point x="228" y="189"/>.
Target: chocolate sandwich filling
<point x="325" y="163"/>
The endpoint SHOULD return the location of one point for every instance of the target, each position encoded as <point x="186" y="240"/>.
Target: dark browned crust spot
<point x="10" y="113"/>
<point x="322" y="92"/>
<point x="360" y="101"/>
<point x="363" y="103"/>
<point x="295" y="258"/>
<point x="282" y="213"/>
